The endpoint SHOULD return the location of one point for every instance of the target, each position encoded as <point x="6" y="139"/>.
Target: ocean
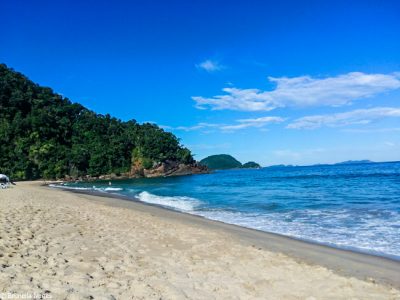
<point x="354" y="206"/>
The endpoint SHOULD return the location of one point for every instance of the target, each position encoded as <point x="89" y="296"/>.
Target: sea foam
<point x="186" y="204"/>
<point x="370" y="234"/>
<point x="93" y="188"/>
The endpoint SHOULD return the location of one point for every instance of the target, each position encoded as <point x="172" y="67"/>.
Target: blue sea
<point x="354" y="206"/>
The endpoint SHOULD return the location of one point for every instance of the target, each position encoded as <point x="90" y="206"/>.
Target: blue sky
<point x="292" y="82"/>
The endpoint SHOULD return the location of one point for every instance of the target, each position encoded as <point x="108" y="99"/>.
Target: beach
<point x="74" y="246"/>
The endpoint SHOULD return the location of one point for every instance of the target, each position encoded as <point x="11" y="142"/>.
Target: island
<point x="355" y="162"/>
<point x="251" y="165"/>
<point x="226" y="161"/>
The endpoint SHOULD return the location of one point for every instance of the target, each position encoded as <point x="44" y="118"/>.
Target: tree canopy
<point x="44" y="135"/>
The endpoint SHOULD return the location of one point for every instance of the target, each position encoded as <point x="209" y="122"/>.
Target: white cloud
<point x="359" y="116"/>
<point x="197" y="127"/>
<point x="303" y="91"/>
<point x="390" y="144"/>
<point x="210" y="65"/>
<point x="258" y="123"/>
<point x="240" y="124"/>
<point x="191" y="128"/>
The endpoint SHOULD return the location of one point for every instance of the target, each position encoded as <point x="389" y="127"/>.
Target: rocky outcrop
<point x="167" y="168"/>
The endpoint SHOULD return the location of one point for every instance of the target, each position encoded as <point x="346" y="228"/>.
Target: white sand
<point x="74" y="248"/>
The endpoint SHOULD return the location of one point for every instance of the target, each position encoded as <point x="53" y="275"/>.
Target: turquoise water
<point x="354" y="207"/>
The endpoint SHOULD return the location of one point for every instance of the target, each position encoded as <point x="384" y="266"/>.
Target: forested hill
<point x="44" y="135"/>
<point x="221" y="162"/>
<point x="226" y="161"/>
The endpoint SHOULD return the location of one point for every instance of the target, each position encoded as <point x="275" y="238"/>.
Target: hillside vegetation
<point x="44" y="135"/>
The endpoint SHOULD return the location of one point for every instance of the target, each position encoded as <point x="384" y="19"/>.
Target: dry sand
<point x="73" y="246"/>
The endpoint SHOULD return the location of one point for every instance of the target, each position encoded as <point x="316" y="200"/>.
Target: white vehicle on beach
<point x="4" y="181"/>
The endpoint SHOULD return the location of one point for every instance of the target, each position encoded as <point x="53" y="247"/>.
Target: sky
<point x="276" y="82"/>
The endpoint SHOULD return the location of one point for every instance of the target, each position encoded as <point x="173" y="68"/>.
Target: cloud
<point x="390" y="144"/>
<point x="246" y="123"/>
<point x="240" y="124"/>
<point x="303" y="91"/>
<point x="210" y="66"/>
<point x="198" y="126"/>
<point x="359" y="116"/>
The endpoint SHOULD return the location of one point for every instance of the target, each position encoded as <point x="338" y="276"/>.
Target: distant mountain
<point x="355" y="162"/>
<point x="251" y="165"/>
<point x="226" y="161"/>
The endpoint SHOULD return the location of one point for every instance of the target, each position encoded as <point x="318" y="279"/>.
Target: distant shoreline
<point x="348" y="262"/>
<point x="356" y="162"/>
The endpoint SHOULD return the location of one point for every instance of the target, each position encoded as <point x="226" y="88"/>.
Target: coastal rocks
<point x="164" y="169"/>
<point x="167" y="168"/>
<point x="68" y="178"/>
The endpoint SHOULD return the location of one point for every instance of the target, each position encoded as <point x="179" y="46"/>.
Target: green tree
<point x="43" y="134"/>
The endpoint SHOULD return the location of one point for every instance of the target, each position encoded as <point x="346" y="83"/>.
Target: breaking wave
<point x="186" y="204"/>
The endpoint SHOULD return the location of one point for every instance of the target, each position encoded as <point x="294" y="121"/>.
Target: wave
<point x="111" y="189"/>
<point x="185" y="204"/>
<point x="370" y="234"/>
<point x="93" y="188"/>
<point x="181" y="203"/>
<point x="61" y="186"/>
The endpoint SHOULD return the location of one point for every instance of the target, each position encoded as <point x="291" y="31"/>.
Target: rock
<point x="164" y="169"/>
<point x="168" y="168"/>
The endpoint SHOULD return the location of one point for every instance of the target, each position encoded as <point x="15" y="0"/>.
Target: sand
<point x="71" y="246"/>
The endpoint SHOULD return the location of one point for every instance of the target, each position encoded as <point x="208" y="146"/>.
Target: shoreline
<point x="395" y="259"/>
<point x="81" y="246"/>
<point x="347" y="262"/>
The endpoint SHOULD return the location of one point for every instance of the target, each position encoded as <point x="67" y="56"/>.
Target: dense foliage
<point x="44" y="135"/>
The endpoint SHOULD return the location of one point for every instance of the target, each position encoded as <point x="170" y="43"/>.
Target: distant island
<point x="347" y="162"/>
<point x="251" y="165"/>
<point x="226" y="161"/>
<point x="355" y="162"/>
<point x="281" y="166"/>
<point x="45" y="135"/>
